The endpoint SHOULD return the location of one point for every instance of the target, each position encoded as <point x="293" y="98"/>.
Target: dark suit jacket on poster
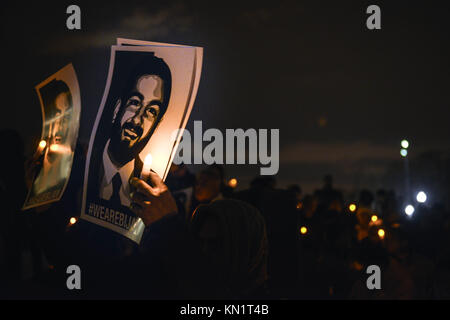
<point x="96" y="173"/>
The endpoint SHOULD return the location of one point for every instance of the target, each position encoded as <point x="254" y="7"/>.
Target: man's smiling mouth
<point x="130" y="133"/>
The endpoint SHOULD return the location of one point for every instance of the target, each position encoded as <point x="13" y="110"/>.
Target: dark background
<point x="342" y="96"/>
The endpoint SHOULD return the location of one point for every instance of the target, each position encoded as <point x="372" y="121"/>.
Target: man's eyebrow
<point x="137" y="94"/>
<point x="154" y="102"/>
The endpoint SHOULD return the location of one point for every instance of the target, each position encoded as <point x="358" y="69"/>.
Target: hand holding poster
<point x="149" y="94"/>
<point x="59" y="96"/>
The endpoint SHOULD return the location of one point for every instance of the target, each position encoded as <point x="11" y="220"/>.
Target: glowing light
<point x="42" y="144"/>
<point x="58" y="148"/>
<point x="73" y="220"/>
<point x="409" y="210"/>
<point x="299" y="205"/>
<point x="404" y="144"/>
<point x="233" y="182"/>
<point x="374" y="218"/>
<point x="403" y="152"/>
<point x="421" y="197"/>
<point x="303" y="230"/>
<point x="147" y="165"/>
<point x="54" y="148"/>
<point x="381" y="233"/>
<point x="352" y="207"/>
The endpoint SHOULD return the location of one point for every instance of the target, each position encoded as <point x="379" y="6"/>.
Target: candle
<point x="42" y="144"/>
<point x="147" y="165"/>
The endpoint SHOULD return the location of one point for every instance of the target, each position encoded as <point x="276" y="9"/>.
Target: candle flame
<point x="232" y="183"/>
<point x="147" y="165"/>
<point x="303" y="230"/>
<point x="148" y="160"/>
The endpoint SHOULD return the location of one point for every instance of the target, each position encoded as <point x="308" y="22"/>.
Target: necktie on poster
<point x="59" y="97"/>
<point x="149" y="94"/>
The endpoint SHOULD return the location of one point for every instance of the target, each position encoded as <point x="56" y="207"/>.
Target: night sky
<point x="342" y="96"/>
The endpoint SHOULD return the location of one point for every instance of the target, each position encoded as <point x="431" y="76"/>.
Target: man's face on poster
<point x="140" y="113"/>
<point x="60" y="127"/>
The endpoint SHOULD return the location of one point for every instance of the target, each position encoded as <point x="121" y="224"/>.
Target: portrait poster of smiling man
<point x="149" y="94"/>
<point x="59" y="96"/>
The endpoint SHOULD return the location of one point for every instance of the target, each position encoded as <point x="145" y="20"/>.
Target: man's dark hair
<point x="51" y="90"/>
<point x="148" y="65"/>
<point x="151" y="66"/>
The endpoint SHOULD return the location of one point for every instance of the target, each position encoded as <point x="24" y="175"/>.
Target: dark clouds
<point x="309" y="68"/>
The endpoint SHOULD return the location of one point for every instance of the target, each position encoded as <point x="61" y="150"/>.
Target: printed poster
<point x="149" y="94"/>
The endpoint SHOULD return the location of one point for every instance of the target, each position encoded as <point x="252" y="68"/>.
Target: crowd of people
<point x="215" y="242"/>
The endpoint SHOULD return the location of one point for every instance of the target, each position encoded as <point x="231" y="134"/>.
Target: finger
<point x="142" y="187"/>
<point x="155" y="180"/>
<point x="136" y="208"/>
<point x="37" y="154"/>
<point x="142" y="203"/>
<point x="139" y="197"/>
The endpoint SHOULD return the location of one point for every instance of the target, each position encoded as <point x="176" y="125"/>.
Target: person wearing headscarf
<point x="232" y="236"/>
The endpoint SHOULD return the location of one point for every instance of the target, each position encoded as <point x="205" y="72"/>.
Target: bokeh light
<point x="409" y="210"/>
<point x="404" y="144"/>
<point x="421" y="197"/>
<point x="403" y="152"/>
<point x="233" y="182"/>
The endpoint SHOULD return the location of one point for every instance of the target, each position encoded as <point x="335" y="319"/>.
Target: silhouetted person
<point x="327" y="193"/>
<point x="12" y="195"/>
<point x="232" y="236"/>
<point x="278" y="207"/>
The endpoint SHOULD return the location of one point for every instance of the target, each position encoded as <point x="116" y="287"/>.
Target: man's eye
<point x="133" y="102"/>
<point x="152" y="111"/>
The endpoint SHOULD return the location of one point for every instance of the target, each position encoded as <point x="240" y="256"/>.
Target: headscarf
<point x="244" y="243"/>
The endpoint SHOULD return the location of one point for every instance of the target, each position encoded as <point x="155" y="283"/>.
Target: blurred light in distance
<point x="42" y="144"/>
<point x="352" y="207"/>
<point x="232" y="183"/>
<point x="404" y="144"/>
<point x="374" y="218"/>
<point x="299" y="205"/>
<point x="403" y="152"/>
<point x="73" y="220"/>
<point x="421" y="197"/>
<point x="409" y="210"/>
<point x="381" y="233"/>
<point x="303" y="230"/>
